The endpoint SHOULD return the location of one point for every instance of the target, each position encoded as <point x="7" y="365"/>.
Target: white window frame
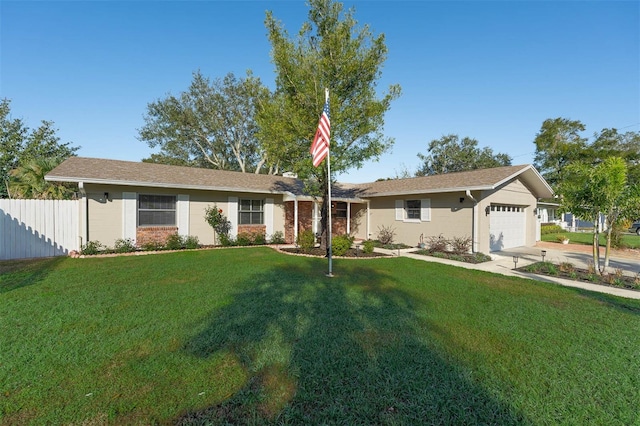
<point x="402" y="210"/>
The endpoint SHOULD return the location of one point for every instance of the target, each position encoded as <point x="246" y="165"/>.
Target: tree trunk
<point x="596" y="246"/>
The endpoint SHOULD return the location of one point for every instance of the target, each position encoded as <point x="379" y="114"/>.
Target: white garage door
<point x="507" y="227"/>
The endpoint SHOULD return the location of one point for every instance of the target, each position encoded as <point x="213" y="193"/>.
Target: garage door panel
<point x="507" y="225"/>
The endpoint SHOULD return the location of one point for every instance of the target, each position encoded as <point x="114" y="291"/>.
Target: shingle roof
<point x="482" y="179"/>
<point x="116" y="172"/>
<point x="95" y="170"/>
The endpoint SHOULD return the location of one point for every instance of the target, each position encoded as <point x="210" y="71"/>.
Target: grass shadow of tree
<point x="15" y="274"/>
<point x="347" y="350"/>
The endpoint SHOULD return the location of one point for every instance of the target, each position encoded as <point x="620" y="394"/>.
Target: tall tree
<point x="212" y="124"/>
<point x="589" y="191"/>
<point x="330" y="51"/>
<point x="558" y="143"/>
<point x="451" y="154"/>
<point x="611" y="143"/>
<point x="20" y="146"/>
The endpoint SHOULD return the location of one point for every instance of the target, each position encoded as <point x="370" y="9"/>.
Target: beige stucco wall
<point x="106" y="217"/>
<point x="449" y="217"/>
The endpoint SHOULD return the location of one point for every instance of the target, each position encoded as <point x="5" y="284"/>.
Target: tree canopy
<point x="211" y="125"/>
<point x="451" y="154"/>
<point x="330" y="51"/>
<point x="21" y="147"/>
<point x="560" y="143"/>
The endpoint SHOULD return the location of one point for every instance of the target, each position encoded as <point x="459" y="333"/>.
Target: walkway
<point x="576" y="254"/>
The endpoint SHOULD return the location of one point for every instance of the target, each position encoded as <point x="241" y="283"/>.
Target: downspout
<point x="474" y="220"/>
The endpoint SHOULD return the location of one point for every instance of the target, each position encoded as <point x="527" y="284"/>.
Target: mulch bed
<point x="318" y="252"/>
<point x="612" y="278"/>
<point x="474" y="258"/>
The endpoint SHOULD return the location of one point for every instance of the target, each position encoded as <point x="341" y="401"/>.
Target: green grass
<point x="629" y="240"/>
<point x="251" y="336"/>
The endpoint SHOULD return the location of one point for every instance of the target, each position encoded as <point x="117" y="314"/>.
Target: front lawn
<point x="628" y="240"/>
<point x="252" y="336"/>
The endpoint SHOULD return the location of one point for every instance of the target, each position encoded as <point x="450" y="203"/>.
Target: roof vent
<point x="290" y="175"/>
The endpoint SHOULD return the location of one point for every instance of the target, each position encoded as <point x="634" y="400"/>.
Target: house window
<point x="339" y="209"/>
<point x="251" y="212"/>
<point x="412" y="209"/>
<point x="156" y="210"/>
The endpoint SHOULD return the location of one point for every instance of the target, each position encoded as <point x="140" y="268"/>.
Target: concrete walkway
<point x="502" y="263"/>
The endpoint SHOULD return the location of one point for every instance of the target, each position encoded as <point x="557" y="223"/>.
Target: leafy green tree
<point x="27" y="181"/>
<point x="330" y="51"/>
<point x="558" y="143"/>
<point x="212" y="124"/>
<point x="451" y="154"/>
<point x="610" y="143"/>
<point x="590" y="190"/>
<point x="20" y="146"/>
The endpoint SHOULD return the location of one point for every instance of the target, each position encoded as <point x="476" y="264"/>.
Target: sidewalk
<point x="502" y="263"/>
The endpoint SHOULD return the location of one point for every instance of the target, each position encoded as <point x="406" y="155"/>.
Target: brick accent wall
<point x="252" y="229"/>
<point x="154" y="234"/>
<point x="338" y="225"/>
<point x="305" y="218"/>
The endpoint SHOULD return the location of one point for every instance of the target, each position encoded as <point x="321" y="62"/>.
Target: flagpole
<point x="329" y="248"/>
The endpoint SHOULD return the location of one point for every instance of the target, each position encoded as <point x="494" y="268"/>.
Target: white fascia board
<point x="430" y="191"/>
<point x="162" y="185"/>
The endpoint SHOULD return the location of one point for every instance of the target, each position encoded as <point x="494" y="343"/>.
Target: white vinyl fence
<point x="38" y="228"/>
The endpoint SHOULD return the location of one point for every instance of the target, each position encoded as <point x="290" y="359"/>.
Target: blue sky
<point x="490" y="70"/>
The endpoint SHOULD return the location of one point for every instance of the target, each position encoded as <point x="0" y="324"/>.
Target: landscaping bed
<point x="460" y="257"/>
<point x="614" y="278"/>
<point x="318" y="252"/>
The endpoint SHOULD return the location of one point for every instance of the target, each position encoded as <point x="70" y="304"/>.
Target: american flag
<point x="320" y="144"/>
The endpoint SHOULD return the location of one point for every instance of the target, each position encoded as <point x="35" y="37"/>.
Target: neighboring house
<point x="146" y="202"/>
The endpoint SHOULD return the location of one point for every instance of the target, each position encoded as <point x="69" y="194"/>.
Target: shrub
<point x="561" y="238"/>
<point x="340" y="244"/>
<point x="174" y="242"/>
<point x="461" y="245"/>
<point x="259" y="239"/>
<point x="566" y="267"/>
<point x="244" y="239"/>
<point x="481" y="257"/>
<point x="92" y="247"/>
<point x="306" y="240"/>
<point x="277" y="238"/>
<point x="550" y="229"/>
<point x="367" y="246"/>
<point x="437" y="244"/>
<point x="219" y="222"/>
<point x="191" y="242"/>
<point x="124" y="245"/>
<point x="152" y="246"/>
<point x="386" y="234"/>
<point x="226" y="240"/>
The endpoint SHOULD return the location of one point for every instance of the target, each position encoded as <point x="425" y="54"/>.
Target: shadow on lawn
<point x="346" y="350"/>
<point x="15" y="274"/>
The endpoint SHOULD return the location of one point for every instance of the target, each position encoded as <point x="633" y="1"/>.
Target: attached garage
<point x="507" y="227"/>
